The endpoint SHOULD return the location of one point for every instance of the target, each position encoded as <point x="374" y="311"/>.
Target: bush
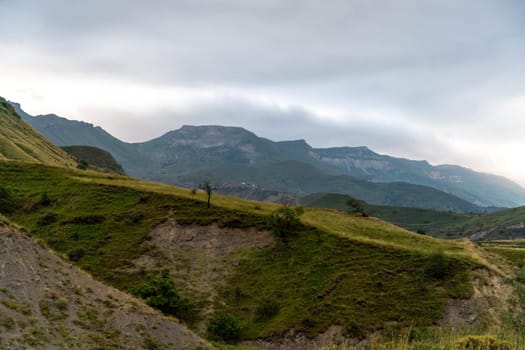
<point x="481" y="342"/>
<point x="88" y="220"/>
<point x="7" y="203"/>
<point x="353" y="330"/>
<point x="47" y="219"/>
<point x="76" y="254"/>
<point x="267" y="309"/>
<point x="160" y="292"/>
<point x="224" y="327"/>
<point x="439" y="266"/>
<point x="82" y="165"/>
<point x="44" y="199"/>
<point x="285" y="221"/>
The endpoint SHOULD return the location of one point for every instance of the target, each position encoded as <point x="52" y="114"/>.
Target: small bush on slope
<point x="160" y="292"/>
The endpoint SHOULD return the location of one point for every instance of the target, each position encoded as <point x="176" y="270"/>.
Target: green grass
<point x="341" y="269"/>
<point x="319" y="280"/>
<point x="95" y="158"/>
<point x="18" y="141"/>
<point x="431" y="222"/>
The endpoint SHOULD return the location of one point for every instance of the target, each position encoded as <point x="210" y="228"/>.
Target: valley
<point x="239" y="274"/>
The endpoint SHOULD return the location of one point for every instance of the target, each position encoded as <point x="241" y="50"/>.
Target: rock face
<point x="47" y="303"/>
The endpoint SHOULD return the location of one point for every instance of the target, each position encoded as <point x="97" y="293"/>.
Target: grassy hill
<point x="504" y="224"/>
<point x="95" y="158"/>
<point x="501" y="224"/>
<point x="18" y="141"/>
<point x="359" y="274"/>
<point x="430" y="222"/>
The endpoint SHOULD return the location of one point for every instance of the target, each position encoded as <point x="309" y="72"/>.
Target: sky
<point x="441" y="80"/>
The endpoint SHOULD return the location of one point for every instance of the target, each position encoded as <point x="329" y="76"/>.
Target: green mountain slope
<point x="18" y="141"/>
<point x="501" y="224"/>
<point x="333" y="270"/>
<point x="301" y="178"/>
<point x="431" y="222"/>
<point x="95" y="157"/>
<point x="205" y="148"/>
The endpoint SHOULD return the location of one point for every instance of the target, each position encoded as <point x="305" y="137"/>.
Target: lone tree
<point x="356" y="206"/>
<point x="208" y="188"/>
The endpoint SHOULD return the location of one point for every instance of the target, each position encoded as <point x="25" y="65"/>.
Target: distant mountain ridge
<point x="233" y="156"/>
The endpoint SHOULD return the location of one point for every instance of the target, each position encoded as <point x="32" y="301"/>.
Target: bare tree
<point x="208" y="188"/>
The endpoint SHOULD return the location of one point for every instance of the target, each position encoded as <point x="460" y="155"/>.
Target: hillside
<point x="498" y="225"/>
<point x="95" y="158"/>
<point x="18" y="141"/>
<point x="333" y="269"/>
<point x="48" y="303"/>
<point x="504" y="224"/>
<point x="430" y="222"/>
<point x="193" y="150"/>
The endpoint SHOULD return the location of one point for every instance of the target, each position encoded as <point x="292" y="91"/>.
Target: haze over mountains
<point x="242" y="163"/>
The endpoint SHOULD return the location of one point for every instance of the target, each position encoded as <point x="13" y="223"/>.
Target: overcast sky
<point x="440" y="80"/>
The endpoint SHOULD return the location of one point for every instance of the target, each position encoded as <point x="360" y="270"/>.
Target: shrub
<point x="47" y="219"/>
<point x="481" y="342"/>
<point x="285" y="221"/>
<point x="44" y="199"/>
<point x="267" y="309"/>
<point x="160" y="292"/>
<point x="82" y="165"/>
<point x="88" y="220"/>
<point x="353" y="330"/>
<point x="76" y="254"/>
<point x="7" y="203"/>
<point x="224" y="327"/>
<point x="439" y="266"/>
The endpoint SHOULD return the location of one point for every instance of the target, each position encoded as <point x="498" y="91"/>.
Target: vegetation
<point x="96" y="158"/>
<point x="18" y="141"/>
<point x="224" y="327"/>
<point x="356" y="206"/>
<point x="160" y="292"/>
<point x="285" y="221"/>
<point x="482" y="342"/>
<point x="208" y="188"/>
<point x="336" y="268"/>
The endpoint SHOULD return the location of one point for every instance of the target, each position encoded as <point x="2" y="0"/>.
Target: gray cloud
<point x="405" y="77"/>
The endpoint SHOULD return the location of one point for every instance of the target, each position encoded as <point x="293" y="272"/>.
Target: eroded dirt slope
<point x="47" y="303"/>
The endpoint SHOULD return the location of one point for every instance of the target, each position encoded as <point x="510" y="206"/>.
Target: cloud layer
<point x="435" y="79"/>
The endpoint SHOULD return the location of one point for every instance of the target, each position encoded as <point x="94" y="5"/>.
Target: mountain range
<point x="234" y="271"/>
<point x="235" y="160"/>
